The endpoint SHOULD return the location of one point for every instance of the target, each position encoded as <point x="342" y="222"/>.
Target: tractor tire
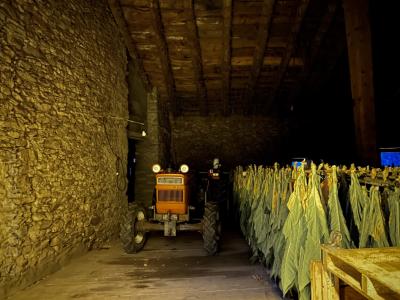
<point x="211" y="228"/>
<point x="132" y="238"/>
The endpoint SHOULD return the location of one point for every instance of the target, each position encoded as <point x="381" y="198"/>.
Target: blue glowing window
<point x="390" y="159"/>
<point x="296" y="163"/>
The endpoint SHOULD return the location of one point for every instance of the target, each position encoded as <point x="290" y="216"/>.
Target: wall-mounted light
<point x="184" y="168"/>
<point x="156" y="168"/>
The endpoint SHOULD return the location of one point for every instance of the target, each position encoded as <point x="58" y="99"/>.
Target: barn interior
<point x="93" y="93"/>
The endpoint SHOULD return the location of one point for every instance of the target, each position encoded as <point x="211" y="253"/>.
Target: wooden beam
<point x="130" y="45"/>
<point x="226" y="56"/>
<point x="298" y="20"/>
<point x="359" y="48"/>
<point x="314" y="49"/>
<point x="323" y="28"/>
<point x="194" y="43"/>
<point x="164" y="56"/>
<point x="261" y="45"/>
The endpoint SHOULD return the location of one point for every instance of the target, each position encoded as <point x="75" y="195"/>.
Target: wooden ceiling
<point x="231" y="56"/>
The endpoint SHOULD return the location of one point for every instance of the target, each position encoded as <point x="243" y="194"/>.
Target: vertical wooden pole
<point x="331" y="287"/>
<point x="359" y="47"/>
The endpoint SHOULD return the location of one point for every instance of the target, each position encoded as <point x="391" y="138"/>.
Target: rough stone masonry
<point x="252" y="139"/>
<point x="63" y="106"/>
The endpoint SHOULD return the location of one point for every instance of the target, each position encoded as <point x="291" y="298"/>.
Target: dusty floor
<point x="168" y="268"/>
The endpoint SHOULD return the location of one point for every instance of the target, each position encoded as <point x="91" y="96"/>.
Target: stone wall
<point x="63" y="106"/>
<point x="154" y="148"/>
<point x="234" y="140"/>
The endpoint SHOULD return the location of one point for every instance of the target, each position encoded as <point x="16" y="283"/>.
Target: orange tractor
<point x="170" y="212"/>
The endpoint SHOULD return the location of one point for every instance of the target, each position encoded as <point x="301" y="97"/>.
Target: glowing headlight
<point x="184" y="168"/>
<point x="156" y="168"/>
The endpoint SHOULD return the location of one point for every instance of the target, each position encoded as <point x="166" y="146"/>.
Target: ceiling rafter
<point x="315" y="46"/>
<point x="119" y="18"/>
<point x="226" y="55"/>
<point x="323" y="28"/>
<point x="261" y="45"/>
<point x="194" y="43"/>
<point x="217" y="56"/>
<point x="298" y="20"/>
<point x="164" y="54"/>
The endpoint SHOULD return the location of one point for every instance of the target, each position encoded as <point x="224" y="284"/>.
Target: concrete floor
<point x="167" y="268"/>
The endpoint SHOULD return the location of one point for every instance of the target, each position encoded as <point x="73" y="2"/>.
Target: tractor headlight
<point x="184" y="168"/>
<point x="156" y="168"/>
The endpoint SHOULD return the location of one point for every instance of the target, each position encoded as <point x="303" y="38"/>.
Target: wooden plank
<point x="373" y="272"/>
<point x="317" y="279"/>
<point x="123" y="29"/>
<point x="340" y="270"/>
<point x="368" y="288"/>
<point x="258" y="58"/>
<point x="359" y="47"/>
<point x="194" y="44"/>
<point x="331" y="289"/>
<point x="226" y="56"/>
<point x="348" y="293"/>
<point x="301" y="11"/>
<point x="267" y="61"/>
<point x="164" y="55"/>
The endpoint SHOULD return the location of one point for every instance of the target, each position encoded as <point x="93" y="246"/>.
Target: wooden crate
<point x="373" y="273"/>
<point x="317" y="276"/>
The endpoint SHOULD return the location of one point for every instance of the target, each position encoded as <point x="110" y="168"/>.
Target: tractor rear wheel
<point x="132" y="237"/>
<point x="211" y="228"/>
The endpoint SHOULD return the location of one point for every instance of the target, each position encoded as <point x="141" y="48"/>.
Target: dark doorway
<point x="131" y="169"/>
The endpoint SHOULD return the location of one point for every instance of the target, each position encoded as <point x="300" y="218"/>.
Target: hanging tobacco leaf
<point x="373" y="223"/>
<point x="280" y="213"/>
<point x="337" y="221"/>
<point x="294" y="231"/>
<point x="394" y="217"/>
<point x="317" y="232"/>
<point x="357" y="199"/>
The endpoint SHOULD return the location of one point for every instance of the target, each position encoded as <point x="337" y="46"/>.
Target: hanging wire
<point x="121" y="180"/>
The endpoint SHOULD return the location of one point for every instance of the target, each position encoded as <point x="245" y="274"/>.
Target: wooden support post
<point x="226" y="56"/>
<point x="317" y="279"/>
<point x="130" y="45"/>
<point x="359" y="47"/>
<point x="164" y="57"/>
<point x="301" y="11"/>
<point x="259" y="53"/>
<point x="331" y="282"/>
<point x="194" y="42"/>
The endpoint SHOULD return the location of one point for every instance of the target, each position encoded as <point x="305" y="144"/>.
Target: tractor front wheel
<point x="211" y="228"/>
<point x="132" y="237"/>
